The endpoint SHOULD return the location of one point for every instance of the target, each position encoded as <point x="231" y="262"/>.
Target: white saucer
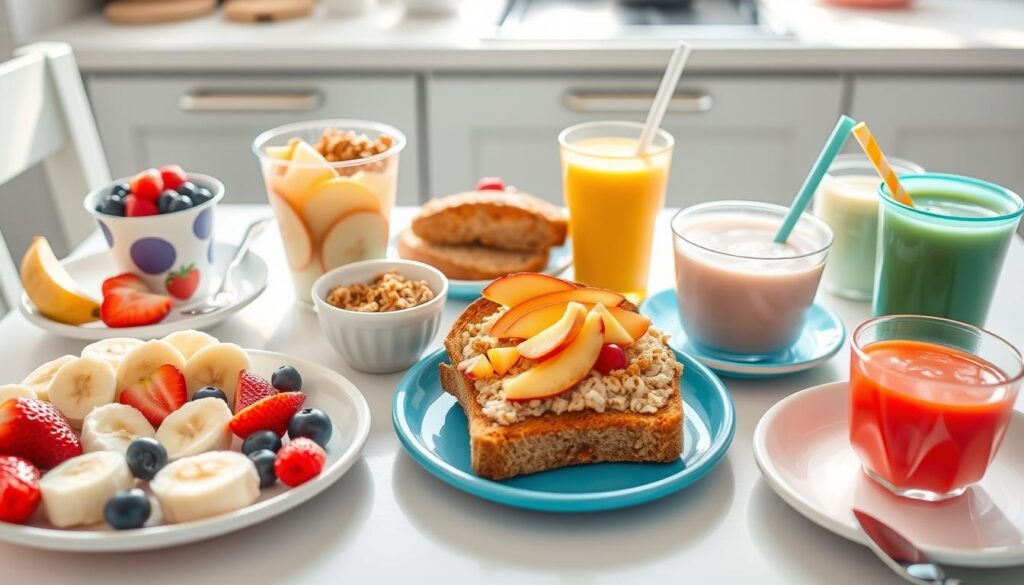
<point x="802" y="448"/>
<point x="89" y="272"/>
<point x="325" y="389"/>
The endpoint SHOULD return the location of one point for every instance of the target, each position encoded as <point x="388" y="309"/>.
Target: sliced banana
<point x="190" y="341"/>
<point x="15" y="391"/>
<point x="112" y="427"/>
<point x="75" y="491"/>
<point x="216" y="365"/>
<point x="196" y="427"/>
<point x="111" y="350"/>
<point x="80" y="386"/>
<point x="40" y="378"/>
<point x="205" y="485"/>
<point x="143" y="359"/>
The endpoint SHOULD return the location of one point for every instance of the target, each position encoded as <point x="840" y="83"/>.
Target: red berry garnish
<point x="612" y="357"/>
<point x="490" y="184"/>
<point x="173" y="176"/>
<point x="147" y="185"/>
<point x="19" y="489"/>
<point x="299" y="461"/>
<point x="135" y="206"/>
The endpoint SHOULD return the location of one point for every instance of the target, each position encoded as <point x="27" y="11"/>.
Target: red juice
<point x="926" y="417"/>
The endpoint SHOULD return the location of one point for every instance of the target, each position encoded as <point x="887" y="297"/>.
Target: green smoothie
<point x="943" y="256"/>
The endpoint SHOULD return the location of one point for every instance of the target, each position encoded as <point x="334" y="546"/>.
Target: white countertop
<point x="939" y="35"/>
<point x="389" y="521"/>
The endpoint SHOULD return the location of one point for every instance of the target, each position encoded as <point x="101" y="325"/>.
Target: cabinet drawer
<point x="207" y="124"/>
<point x="736" y="137"/>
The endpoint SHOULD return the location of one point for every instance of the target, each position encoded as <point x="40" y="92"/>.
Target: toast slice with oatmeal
<point x="632" y="414"/>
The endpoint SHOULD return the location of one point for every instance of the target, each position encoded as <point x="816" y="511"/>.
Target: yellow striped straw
<point x="874" y="152"/>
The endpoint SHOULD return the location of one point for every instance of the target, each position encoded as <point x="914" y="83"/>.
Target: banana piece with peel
<point x="216" y="365"/>
<point x="205" y="485"/>
<point x="113" y="427"/>
<point x="40" y="378"/>
<point x="75" y="492"/>
<point x="80" y="386"/>
<point x="111" y="350"/>
<point x="197" y="427"/>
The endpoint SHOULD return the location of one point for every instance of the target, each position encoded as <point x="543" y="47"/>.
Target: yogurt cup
<point x="741" y="294"/>
<point x="171" y="252"/>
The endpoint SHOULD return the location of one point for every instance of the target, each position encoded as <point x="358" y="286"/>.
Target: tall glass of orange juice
<point x="613" y="194"/>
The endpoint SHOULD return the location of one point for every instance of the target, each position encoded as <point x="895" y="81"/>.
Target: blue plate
<point x="559" y="260"/>
<point x="433" y="429"/>
<point x="821" y="338"/>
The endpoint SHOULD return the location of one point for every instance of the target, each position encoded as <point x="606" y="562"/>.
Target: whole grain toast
<point x="469" y="262"/>
<point x="539" y="443"/>
<point x="496" y="219"/>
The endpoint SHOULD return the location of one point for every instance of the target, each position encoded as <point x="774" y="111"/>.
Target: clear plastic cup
<point x="329" y="213"/>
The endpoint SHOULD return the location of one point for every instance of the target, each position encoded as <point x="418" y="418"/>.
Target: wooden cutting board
<point x="267" y="10"/>
<point x="155" y="11"/>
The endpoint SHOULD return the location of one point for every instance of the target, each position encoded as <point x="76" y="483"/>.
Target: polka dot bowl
<point x="172" y="252"/>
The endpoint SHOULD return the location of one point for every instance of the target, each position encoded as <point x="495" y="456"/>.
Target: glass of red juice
<point x="930" y="401"/>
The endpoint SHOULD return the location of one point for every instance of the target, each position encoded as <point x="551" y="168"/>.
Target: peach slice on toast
<point x="614" y="332"/>
<point x="502" y="359"/>
<point x="562" y="371"/>
<point x="307" y="169"/>
<point x="634" y="324"/>
<point x="477" y="367"/>
<point x="298" y="245"/>
<point x="517" y="288"/>
<point x="557" y="336"/>
<point x="583" y="295"/>
<point x="357" y="235"/>
<point x="332" y="199"/>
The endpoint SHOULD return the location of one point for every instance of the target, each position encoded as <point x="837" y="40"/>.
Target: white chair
<point x="45" y="117"/>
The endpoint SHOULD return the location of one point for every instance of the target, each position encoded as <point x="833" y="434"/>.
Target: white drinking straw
<point x="664" y="95"/>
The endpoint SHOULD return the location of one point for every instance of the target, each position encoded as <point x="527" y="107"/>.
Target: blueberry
<point x="311" y="423"/>
<point x="179" y="203"/>
<point x="165" y="199"/>
<point x="286" y="379"/>
<point x="210" y="392"/>
<point x="264" y="461"/>
<point x="187" y="188"/>
<point x="202" y="195"/>
<point x="127" y="509"/>
<point x="146" y="456"/>
<point x="112" y="205"/>
<point x="120" y="189"/>
<point x="261" y="441"/>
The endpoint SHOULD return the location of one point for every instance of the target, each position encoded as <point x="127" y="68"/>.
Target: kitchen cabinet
<point x="749" y="137"/>
<point x="969" y="125"/>
<point x="206" y="124"/>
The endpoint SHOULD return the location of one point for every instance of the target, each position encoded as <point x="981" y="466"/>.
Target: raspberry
<point x="299" y="461"/>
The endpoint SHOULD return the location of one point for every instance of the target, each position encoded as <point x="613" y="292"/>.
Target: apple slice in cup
<point x="308" y="167"/>
<point x="557" y="336"/>
<point x="333" y="199"/>
<point x="361" y="234"/>
<point x="298" y="245"/>
<point x="563" y="370"/>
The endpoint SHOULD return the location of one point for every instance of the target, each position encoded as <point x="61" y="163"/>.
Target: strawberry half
<point x="19" y="489"/>
<point x="37" y="431"/>
<point x="128" y="302"/>
<point x="270" y="414"/>
<point x="158" y="394"/>
<point x="251" y="389"/>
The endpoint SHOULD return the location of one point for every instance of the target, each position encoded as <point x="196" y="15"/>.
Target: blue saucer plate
<point x="822" y="336"/>
<point x="559" y="260"/>
<point x="433" y="429"/>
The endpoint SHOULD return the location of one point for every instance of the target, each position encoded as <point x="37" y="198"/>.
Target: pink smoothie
<point x="738" y="290"/>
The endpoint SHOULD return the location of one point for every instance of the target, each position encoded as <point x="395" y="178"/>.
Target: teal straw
<point x="835" y="142"/>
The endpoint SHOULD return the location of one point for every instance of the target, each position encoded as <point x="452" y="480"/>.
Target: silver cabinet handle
<point x="609" y="101"/>
<point x="249" y="101"/>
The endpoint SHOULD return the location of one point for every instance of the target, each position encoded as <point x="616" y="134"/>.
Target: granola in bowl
<point x="389" y="291"/>
<point x="644" y="386"/>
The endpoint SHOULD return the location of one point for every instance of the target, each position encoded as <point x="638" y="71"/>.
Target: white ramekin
<point x="380" y="343"/>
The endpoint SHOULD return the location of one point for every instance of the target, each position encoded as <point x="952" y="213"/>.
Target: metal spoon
<point x="900" y="554"/>
<point x="226" y="294"/>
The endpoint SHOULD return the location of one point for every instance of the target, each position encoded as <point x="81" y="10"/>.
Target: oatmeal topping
<point x="389" y="291"/>
<point x="644" y="386"/>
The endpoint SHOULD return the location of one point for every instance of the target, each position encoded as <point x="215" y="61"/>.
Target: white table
<point x="388" y="520"/>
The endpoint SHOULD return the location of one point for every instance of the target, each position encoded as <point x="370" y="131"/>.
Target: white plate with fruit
<point x="132" y="310"/>
<point x="133" y="445"/>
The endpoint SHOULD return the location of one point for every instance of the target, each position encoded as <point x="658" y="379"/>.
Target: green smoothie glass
<point x="943" y="256"/>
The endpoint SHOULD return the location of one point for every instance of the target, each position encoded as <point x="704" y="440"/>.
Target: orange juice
<point x="613" y="197"/>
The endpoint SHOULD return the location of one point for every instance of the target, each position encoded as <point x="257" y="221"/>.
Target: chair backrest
<point x="45" y="118"/>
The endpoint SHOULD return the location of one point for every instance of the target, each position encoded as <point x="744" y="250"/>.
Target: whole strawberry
<point x="299" y="461"/>
<point x="19" y="489"/>
<point x="37" y="431"/>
